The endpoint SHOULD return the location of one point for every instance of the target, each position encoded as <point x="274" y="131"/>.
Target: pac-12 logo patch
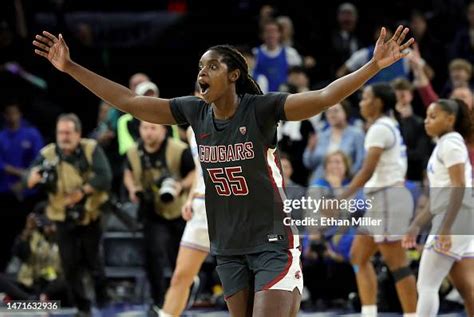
<point x="243" y="130"/>
<point x="298" y="275"/>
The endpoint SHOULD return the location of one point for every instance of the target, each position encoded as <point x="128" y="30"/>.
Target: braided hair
<point x="235" y="60"/>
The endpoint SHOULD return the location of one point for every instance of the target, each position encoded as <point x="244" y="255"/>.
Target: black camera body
<point x="49" y="176"/>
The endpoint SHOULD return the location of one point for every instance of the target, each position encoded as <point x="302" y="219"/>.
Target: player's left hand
<point x="387" y="53"/>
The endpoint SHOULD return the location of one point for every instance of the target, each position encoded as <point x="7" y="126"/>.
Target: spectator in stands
<point x="431" y="49"/>
<point x="127" y="125"/>
<point x="344" y="41"/>
<point x="19" y="145"/>
<point x="463" y="43"/>
<point x="412" y="129"/>
<point x="460" y="73"/>
<point x="40" y="275"/>
<point x="287" y="39"/>
<point x="362" y="56"/>
<point x="424" y="87"/>
<point x="261" y="79"/>
<point x="78" y="179"/>
<point x="103" y="133"/>
<point x="266" y="14"/>
<point x="158" y="162"/>
<point x="294" y="135"/>
<point x="137" y="79"/>
<point x="106" y="135"/>
<point x="327" y="256"/>
<point x="339" y="135"/>
<point x="337" y="171"/>
<point x="287" y="30"/>
<point x="294" y="190"/>
<point x="297" y="81"/>
<point x="272" y="58"/>
<point x="465" y="94"/>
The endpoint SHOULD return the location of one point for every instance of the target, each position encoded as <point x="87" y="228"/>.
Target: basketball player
<point x="235" y="125"/>
<point x="383" y="175"/>
<point x="450" y="245"/>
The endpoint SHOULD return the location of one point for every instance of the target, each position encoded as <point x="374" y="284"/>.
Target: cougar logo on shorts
<point x="298" y="275"/>
<point x="243" y="130"/>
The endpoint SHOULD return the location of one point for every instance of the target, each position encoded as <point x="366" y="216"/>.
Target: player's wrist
<point x="374" y="66"/>
<point x="69" y="66"/>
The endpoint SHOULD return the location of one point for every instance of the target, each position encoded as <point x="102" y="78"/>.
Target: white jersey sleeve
<point x="380" y="136"/>
<point x="453" y="152"/>
<point x="392" y="165"/>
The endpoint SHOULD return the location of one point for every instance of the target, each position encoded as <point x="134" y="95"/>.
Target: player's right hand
<point x="53" y="49"/>
<point x="187" y="210"/>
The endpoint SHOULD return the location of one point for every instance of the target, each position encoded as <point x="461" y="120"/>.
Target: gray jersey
<point x="242" y="172"/>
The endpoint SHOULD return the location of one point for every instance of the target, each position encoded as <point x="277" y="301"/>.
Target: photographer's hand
<point x="34" y="178"/>
<point x="74" y="197"/>
<point x="132" y="195"/>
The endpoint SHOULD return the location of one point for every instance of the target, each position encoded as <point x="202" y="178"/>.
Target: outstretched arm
<point x="150" y="109"/>
<point x="307" y="104"/>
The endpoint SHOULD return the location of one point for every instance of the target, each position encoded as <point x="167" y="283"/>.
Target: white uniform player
<point x="392" y="203"/>
<point x="451" y="150"/>
<point x="437" y="263"/>
<point x="195" y="234"/>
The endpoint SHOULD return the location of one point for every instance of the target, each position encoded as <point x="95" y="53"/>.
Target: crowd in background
<point x="324" y="151"/>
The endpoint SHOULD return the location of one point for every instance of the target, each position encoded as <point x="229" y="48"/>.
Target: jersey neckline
<point x="229" y="121"/>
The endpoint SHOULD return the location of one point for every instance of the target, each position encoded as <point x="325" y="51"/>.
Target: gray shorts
<point x="393" y="209"/>
<point x="277" y="270"/>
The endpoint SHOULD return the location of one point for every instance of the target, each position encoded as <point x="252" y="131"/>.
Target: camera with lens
<point x="49" y="175"/>
<point x="167" y="189"/>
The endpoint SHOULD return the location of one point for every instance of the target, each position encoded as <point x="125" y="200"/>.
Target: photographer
<point x="77" y="176"/>
<point x="159" y="170"/>
<point x="39" y="276"/>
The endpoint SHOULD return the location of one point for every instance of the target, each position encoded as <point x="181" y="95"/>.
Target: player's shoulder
<point x="384" y="123"/>
<point x="188" y="108"/>
<point x="452" y="139"/>
<point x="269" y="97"/>
<point x="188" y="100"/>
